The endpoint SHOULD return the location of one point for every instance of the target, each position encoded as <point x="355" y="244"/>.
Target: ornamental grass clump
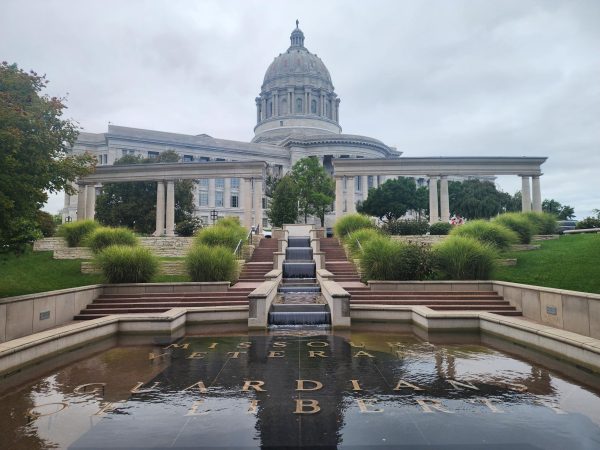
<point x="519" y="224"/>
<point x="440" y="228"/>
<point x="206" y="263"/>
<point x="350" y="223"/>
<point x="406" y="227"/>
<point x="75" y="232"/>
<point x="464" y="258"/>
<point x="384" y="259"/>
<point x="544" y="223"/>
<point x="363" y="236"/>
<point x="126" y="264"/>
<point x="492" y="233"/>
<point x="104" y="237"/>
<point x="218" y="235"/>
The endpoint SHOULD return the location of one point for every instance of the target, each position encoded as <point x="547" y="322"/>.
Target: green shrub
<point x="440" y="228"/>
<point x="492" y="233"/>
<point x="363" y="235"/>
<point x="103" y="237"/>
<point x="126" y="264"/>
<point x="75" y="232"/>
<point x="519" y="224"/>
<point x="205" y="263"/>
<point x="406" y="227"/>
<point x="226" y="236"/>
<point x="188" y="227"/>
<point x="229" y="221"/>
<point x="464" y="258"/>
<point x="384" y="259"/>
<point x="350" y="223"/>
<point x="588" y="222"/>
<point x="544" y="223"/>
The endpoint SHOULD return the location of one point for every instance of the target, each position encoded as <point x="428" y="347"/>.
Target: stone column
<point x="211" y="193"/>
<point x="227" y="193"/>
<point x="350" y="190"/>
<point x="365" y="186"/>
<point x="339" y="197"/>
<point x="322" y="104"/>
<point x="264" y="109"/>
<point x="433" y="200"/>
<point x="247" y="202"/>
<point x="170" y="209"/>
<point x="90" y="201"/>
<point x="276" y="104"/>
<point x="81" y="196"/>
<point x="444" y="200"/>
<point x="525" y="194"/>
<point x="537" y="194"/>
<point x="308" y="102"/>
<point x="160" y="208"/>
<point x="258" y="195"/>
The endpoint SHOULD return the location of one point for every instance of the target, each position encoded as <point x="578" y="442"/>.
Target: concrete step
<point x="120" y="306"/>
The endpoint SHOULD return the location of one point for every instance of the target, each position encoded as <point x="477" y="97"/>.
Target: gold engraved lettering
<point x="88" y="389"/>
<point x="244" y="345"/>
<point x="235" y="355"/>
<point x="280" y="344"/>
<point x="253" y="407"/>
<point x="107" y="407"/>
<point x="362" y="353"/>
<point x="182" y="346"/>
<point x="136" y="389"/>
<point x="355" y="385"/>
<point x="213" y="345"/>
<point x="405" y="384"/>
<point x="152" y="356"/>
<point x="200" y="385"/>
<point x="317" y="344"/>
<point x="300" y="385"/>
<point x="458" y="385"/>
<point x="302" y="406"/>
<point x="197" y="355"/>
<point x="274" y="354"/>
<point x="361" y="345"/>
<point x="314" y="354"/>
<point x="254" y="384"/>
<point x="429" y="405"/>
<point x="193" y="411"/>
<point x="34" y="413"/>
<point x="364" y="406"/>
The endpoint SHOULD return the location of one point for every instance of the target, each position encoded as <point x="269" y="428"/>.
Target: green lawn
<point x="571" y="262"/>
<point x="38" y="272"/>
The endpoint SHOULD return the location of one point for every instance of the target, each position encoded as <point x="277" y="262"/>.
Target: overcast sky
<point x="432" y="78"/>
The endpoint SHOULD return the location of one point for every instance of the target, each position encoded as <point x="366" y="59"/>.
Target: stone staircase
<point x="336" y="261"/>
<point x="486" y="301"/>
<point x="261" y="262"/>
<point x="107" y="304"/>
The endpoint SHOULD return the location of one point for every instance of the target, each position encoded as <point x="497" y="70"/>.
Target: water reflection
<point x="364" y="388"/>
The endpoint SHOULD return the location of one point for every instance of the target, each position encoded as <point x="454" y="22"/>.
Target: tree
<point x="476" y="199"/>
<point x="35" y="158"/>
<point x="562" y="212"/>
<point x="284" y="204"/>
<point x="393" y="199"/>
<point x="315" y="188"/>
<point x="133" y="204"/>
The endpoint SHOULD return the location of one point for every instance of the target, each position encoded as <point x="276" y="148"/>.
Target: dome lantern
<point x="297" y="36"/>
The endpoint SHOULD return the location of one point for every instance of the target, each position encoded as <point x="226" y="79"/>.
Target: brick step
<point x="361" y="289"/>
<point x="431" y="303"/>
<point x="102" y="306"/>
<point x="173" y="295"/>
<point x="115" y="301"/>
<point x="427" y="296"/>
<point x="475" y="308"/>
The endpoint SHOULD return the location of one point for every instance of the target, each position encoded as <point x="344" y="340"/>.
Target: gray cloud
<point x="433" y="77"/>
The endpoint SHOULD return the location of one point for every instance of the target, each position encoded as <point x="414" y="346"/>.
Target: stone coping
<point x="532" y="287"/>
<point x="45" y="294"/>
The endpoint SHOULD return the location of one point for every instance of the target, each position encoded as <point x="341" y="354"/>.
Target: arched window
<point x="284" y="107"/>
<point x="313" y="106"/>
<point x="298" y="105"/>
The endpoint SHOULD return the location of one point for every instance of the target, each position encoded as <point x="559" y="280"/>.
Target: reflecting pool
<point x="366" y="388"/>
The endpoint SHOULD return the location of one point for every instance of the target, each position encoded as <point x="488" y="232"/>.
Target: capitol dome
<point x="297" y="96"/>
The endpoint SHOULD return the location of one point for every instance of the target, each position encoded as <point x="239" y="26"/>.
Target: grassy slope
<point x="38" y="272"/>
<point x="571" y="262"/>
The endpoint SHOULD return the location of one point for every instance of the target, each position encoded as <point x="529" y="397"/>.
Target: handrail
<point x="238" y="249"/>
<point x="360" y="247"/>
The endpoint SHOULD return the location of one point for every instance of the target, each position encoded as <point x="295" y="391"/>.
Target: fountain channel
<point x="299" y="300"/>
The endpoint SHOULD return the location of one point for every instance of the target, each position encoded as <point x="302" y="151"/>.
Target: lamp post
<point x="214" y="215"/>
<point x="68" y="219"/>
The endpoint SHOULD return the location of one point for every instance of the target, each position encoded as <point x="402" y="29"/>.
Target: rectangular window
<point x="219" y="199"/>
<point x="203" y="182"/>
<point x="204" y="159"/>
<point x="203" y="198"/>
<point x="219" y="183"/>
<point x="153" y="155"/>
<point x="188" y="158"/>
<point x="265" y="223"/>
<point x="264" y="202"/>
<point x="219" y="159"/>
<point x="370" y="181"/>
<point x="357" y="183"/>
<point x="204" y="220"/>
<point x="235" y="183"/>
<point x="102" y="159"/>
<point x="235" y="201"/>
<point x="126" y="151"/>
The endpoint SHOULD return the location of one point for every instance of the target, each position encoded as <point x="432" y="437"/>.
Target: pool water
<point x="366" y="388"/>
